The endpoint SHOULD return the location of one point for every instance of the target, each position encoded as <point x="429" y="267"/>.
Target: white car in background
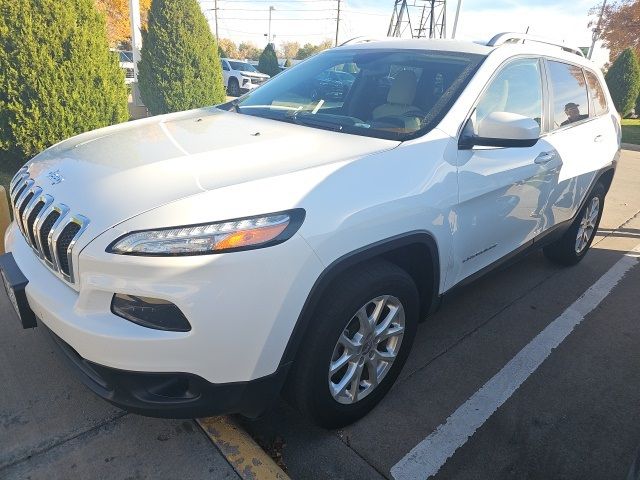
<point x="126" y="63"/>
<point x="240" y="77"/>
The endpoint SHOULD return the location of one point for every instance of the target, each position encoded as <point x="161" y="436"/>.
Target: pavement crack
<point x="346" y="444"/>
<point x="613" y="231"/>
<point x="41" y="451"/>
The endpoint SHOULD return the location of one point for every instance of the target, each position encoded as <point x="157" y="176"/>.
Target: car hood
<point x="112" y="174"/>
<point x="255" y="75"/>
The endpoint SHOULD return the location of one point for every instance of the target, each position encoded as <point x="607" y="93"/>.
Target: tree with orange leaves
<point x="118" y="22"/>
<point x="620" y="26"/>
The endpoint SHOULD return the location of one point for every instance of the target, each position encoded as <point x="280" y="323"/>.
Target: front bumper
<point x="242" y="307"/>
<point x="173" y="395"/>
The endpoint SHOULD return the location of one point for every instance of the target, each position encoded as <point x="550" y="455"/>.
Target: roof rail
<point x="511" y="37"/>
<point x="362" y="39"/>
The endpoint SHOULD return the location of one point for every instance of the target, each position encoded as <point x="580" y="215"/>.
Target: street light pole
<point x="596" y="32"/>
<point x="136" y="45"/>
<point x="271" y="9"/>
<point x="215" y="13"/>
<point x="455" y="22"/>
<point x="338" y="23"/>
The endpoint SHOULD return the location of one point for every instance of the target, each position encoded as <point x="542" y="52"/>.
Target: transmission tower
<point x="432" y="16"/>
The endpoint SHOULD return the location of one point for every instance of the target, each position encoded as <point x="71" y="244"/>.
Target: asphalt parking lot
<point x="518" y="376"/>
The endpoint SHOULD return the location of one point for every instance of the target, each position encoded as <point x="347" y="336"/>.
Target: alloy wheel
<point x="587" y="225"/>
<point x="366" y="349"/>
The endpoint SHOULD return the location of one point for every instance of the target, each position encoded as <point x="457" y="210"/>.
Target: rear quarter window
<point x="598" y="97"/>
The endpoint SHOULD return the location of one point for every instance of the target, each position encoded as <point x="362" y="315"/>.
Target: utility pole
<point x="455" y="22"/>
<point x="596" y="32"/>
<point x="215" y="13"/>
<point x="338" y="23"/>
<point x="271" y="9"/>
<point x="136" y="45"/>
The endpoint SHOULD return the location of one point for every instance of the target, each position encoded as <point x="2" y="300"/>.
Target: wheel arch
<point x="415" y="252"/>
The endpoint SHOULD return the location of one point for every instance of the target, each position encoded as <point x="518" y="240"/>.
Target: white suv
<point x="197" y="263"/>
<point x="240" y="77"/>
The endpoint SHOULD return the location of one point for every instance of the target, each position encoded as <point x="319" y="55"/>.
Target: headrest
<point x="403" y="88"/>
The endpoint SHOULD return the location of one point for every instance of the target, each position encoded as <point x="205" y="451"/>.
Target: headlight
<point x="228" y="236"/>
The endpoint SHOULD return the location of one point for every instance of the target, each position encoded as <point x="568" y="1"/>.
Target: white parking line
<point x="426" y="458"/>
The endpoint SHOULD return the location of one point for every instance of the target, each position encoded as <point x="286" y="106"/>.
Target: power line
<point x="280" y="19"/>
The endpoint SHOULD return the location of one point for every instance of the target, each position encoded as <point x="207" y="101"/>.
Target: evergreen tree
<point x="180" y="67"/>
<point x="57" y="75"/>
<point x="268" y="62"/>
<point x="623" y="80"/>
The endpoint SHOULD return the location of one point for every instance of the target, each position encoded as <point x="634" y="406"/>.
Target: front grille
<point x="48" y="227"/>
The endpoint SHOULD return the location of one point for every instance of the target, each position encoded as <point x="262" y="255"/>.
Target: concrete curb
<point x="245" y="456"/>
<point x="631" y="146"/>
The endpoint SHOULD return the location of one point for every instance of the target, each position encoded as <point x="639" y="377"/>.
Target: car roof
<point x="534" y="46"/>
<point x="422" y="44"/>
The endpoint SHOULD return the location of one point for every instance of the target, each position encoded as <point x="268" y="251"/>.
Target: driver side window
<point x="516" y="89"/>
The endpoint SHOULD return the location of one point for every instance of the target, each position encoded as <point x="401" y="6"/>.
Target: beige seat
<point x="400" y="100"/>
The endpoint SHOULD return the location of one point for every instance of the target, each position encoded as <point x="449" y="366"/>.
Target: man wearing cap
<point x="573" y="112"/>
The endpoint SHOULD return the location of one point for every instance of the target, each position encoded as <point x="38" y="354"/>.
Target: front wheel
<point x="362" y="333"/>
<point x="575" y="243"/>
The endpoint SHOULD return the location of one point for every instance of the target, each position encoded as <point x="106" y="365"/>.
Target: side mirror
<point x="502" y="129"/>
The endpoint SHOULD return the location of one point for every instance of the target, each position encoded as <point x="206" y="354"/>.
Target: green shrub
<point x="180" y="67"/>
<point x="623" y="80"/>
<point x="57" y="75"/>
<point x="287" y="63"/>
<point x="268" y="62"/>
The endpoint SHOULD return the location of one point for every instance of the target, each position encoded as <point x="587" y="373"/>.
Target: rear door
<point x="579" y="137"/>
<point x="502" y="191"/>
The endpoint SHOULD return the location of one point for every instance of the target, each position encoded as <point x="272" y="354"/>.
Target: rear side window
<point x="516" y="89"/>
<point x="570" y="100"/>
<point x="598" y="97"/>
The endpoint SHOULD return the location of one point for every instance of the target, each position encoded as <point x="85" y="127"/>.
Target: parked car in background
<point x="240" y="77"/>
<point x="126" y="64"/>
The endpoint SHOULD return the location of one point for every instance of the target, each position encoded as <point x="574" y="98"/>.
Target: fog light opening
<point x="150" y="313"/>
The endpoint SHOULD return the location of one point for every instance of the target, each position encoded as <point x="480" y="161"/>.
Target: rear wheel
<point x="575" y="243"/>
<point x="362" y="333"/>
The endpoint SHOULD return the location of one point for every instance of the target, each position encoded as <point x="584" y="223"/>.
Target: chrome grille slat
<point x="42" y="222"/>
<point x="37" y="224"/>
<point x="35" y="191"/>
<point x="23" y="192"/>
<point x="54" y="234"/>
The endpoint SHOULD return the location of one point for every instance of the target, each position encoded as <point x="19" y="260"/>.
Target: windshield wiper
<point x="310" y="120"/>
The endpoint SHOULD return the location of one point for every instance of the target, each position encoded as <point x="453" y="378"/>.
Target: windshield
<point x="242" y="66"/>
<point x="384" y="93"/>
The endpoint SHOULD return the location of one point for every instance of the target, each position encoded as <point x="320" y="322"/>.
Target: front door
<point x="503" y="191"/>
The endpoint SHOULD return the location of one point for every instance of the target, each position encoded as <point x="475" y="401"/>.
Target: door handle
<point x="545" y="157"/>
<point x="598" y="139"/>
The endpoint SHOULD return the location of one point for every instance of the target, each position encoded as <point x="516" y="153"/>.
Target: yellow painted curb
<point x="5" y="217"/>
<point x="240" y="450"/>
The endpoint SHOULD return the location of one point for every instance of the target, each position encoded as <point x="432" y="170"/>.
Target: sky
<point x="315" y="20"/>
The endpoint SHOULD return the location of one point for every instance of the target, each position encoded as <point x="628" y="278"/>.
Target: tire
<point x="569" y="249"/>
<point x="233" y="87"/>
<point x="361" y="289"/>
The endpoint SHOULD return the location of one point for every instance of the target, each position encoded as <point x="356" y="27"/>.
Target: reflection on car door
<point x="503" y="191"/>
